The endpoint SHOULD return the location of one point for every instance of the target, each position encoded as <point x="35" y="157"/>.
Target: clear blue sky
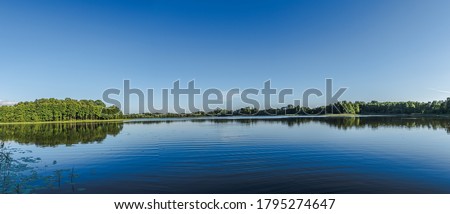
<point x="381" y="50"/>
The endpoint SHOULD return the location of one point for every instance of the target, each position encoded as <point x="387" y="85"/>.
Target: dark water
<point x="229" y="155"/>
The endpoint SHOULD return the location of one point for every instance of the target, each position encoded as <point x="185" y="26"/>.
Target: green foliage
<point x="410" y="107"/>
<point x="373" y="107"/>
<point x="42" y="110"/>
<point x="67" y="110"/>
<point x="344" y="107"/>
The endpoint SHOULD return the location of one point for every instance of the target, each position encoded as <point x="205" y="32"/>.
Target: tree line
<point x="365" y="108"/>
<point x="70" y="109"/>
<point x="42" y="110"/>
<point x="343" y="107"/>
<point x="375" y="107"/>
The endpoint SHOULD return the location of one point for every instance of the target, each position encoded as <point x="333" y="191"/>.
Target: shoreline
<point x="68" y="121"/>
<point x="231" y="117"/>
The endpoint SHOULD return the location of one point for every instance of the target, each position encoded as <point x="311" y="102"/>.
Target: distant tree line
<point x="70" y="109"/>
<point x="344" y="107"/>
<point x="42" y="110"/>
<point x="373" y="107"/>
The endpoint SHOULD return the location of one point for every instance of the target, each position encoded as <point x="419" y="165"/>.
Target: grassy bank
<point x="340" y="115"/>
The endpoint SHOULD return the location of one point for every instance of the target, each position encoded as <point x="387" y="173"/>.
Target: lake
<point x="370" y="154"/>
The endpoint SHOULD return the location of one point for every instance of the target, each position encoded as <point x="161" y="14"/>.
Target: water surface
<point x="229" y="155"/>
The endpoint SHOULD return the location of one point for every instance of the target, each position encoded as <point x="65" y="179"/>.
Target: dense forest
<point x="373" y="107"/>
<point x="68" y="109"/>
<point x="42" y="110"/>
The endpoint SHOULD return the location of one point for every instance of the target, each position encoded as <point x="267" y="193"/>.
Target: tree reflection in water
<point x="342" y="123"/>
<point x="19" y="169"/>
<point x="59" y="133"/>
<point x="19" y="172"/>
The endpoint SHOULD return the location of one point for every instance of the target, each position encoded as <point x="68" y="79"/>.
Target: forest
<point x="344" y="107"/>
<point x="43" y="110"/>
<point x="373" y="107"/>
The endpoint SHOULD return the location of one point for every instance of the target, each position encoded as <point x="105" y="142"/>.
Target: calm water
<point x="229" y="155"/>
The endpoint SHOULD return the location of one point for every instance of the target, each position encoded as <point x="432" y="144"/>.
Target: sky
<point x="380" y="50"/>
